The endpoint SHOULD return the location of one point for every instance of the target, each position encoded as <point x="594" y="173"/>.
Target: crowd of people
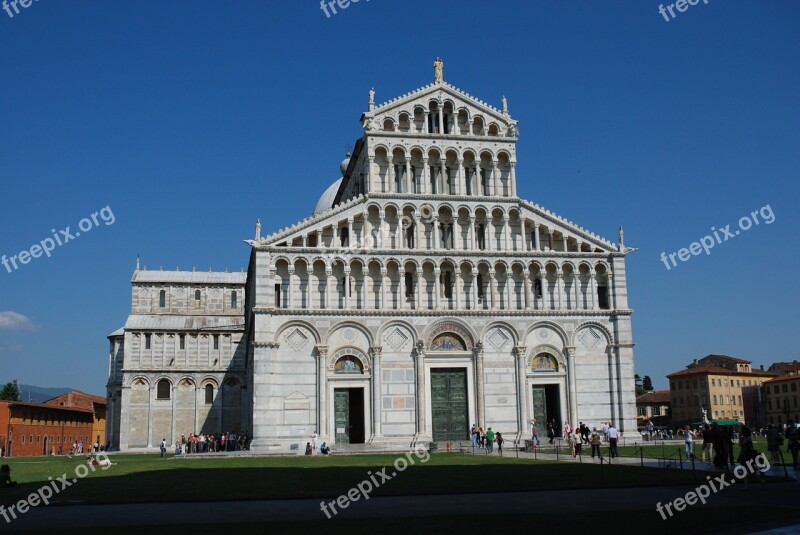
<point x="209" y="443"/>
<point x="486" y="439"/>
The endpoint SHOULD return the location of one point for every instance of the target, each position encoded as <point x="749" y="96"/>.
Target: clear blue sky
<point x="192" y="119"/>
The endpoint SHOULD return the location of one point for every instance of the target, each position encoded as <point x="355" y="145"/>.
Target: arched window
<point x="481" y="237"/>
<point x="163" y="389"/>
<point x="537" y="288"/>
<point x="197" y="298"/>
<point x="234" y="300"/>
<point x="602" y="297"/>
<point x="209" y="394"/>
<point x="409" y="284"/>
<point x="480" y="286"/>
<point x="414" y="188"/>
<point x="410" y="237"/>
<point x="447" y="285"/>
<point x="162" y="299"/>
<point x="484" y="182"/>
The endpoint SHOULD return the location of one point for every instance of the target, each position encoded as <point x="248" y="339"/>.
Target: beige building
<point x="654" y="407"/>
<point x="781" y="397"/>
<point x="714" y="384"/>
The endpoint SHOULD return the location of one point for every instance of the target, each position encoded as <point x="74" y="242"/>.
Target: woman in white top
<point x="689" y="436"/>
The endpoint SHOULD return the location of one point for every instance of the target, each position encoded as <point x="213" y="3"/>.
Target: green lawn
<point x="147" y="478"/>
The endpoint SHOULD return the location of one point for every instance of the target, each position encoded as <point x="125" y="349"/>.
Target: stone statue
<point x="438" y="70"/>
<point x="258" y="229"/>
<point x="369" y="124"/>
<point x="705" y="416"/>
<point x="621" y="238"/>
<point x="505" y="106"/>
<point x="371" y="99"/>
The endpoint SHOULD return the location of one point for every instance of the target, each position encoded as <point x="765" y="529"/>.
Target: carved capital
<point x="519" y="351"/>
<point x="477" y="351"/>
<point x="570" y="350"/>
<point x="322" y="351"/>
<point x="376" y="351"/>
<point x="420" y="348"/>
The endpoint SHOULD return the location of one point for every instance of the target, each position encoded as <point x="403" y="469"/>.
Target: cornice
<point x="611" y="315"/>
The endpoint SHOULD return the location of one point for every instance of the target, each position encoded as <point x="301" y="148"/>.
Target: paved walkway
<point x="550" y="502"/>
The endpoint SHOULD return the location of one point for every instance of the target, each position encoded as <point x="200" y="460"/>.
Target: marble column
<point x="513" y="179"/>
<point x="290" y="290"/>
<point x="536" y="245"/>
<point x="322" y="393"/>
<point x="472" y="232"/>
<point x="573" y="391"/>
<point x="347" y="288"/>
<point x="526" y="288"/>
<point x="458" y="288"/>
<point x="523" y="235"/>
<point x="457" y="178"/>
<point x="492" y="287"/>
<point x="506" y="233"/>
<point x="384" y="282"/>
<point x="436" y="288"/>
<point x="593" y="287"/>
<point x="522" y="403"/>
<point x="420" y="388"/>
<point x="424" y="181"/>
<point x="477" y="353"/>
<point x="377" y="407"/>
<point x="435" y="232"/>
<point x="370" y="161"/>
<point x="509" y="292"/>
<point x="329" y="289"/>
<point x="495" y="181"/>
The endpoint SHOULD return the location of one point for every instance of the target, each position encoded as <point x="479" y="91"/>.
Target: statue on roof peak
<point x="438" y="70"/>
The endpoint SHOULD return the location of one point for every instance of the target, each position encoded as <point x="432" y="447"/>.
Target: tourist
<point x="567" y="431"/>
<point x="309" y="450"/>
<point x="577" y="443"/>
<point x="163" y="447"/>
<point x="720" y="453"/>
<point x="707" y="453"/>
<point x="688" y="436"/>
<point x="534" y="435"/>
<point x="595" y="444"/>
<point x="324" y="450"/>
<point x="5" y="476"/>
<point x="747" y="453"/>
<point x="729" y="445"/>
<point x="774" y="442"/>
<point x="613" y="436"/>
<point x="499" y="440"/>
<point x="551" y="432"/>
<point x="483" y="437"/>
<point x="584" y="433"/>
<point x="490" y="440"/>
<point x="314" y="437"/>
<point x="605" y="430"/>
<point x="794" y="446"/>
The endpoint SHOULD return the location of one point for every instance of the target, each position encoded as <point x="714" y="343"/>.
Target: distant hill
<point x="39" y="394"/>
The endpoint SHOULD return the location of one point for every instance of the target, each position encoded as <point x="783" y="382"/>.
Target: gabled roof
<point x="702" y="369"/>
<point x="444" y="87"/>
<point x="657" y="396"/>
<point x="726" y="357"/>
<point x="146" y="322"/>
<point x="785" y="367"/>
<point x="189" y="277"/>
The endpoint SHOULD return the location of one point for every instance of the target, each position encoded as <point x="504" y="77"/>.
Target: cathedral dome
<point x="344" y="164"/>
<point x="325" y="202"/>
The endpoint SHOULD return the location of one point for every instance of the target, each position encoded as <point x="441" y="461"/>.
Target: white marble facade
<point x="423" y="292"/>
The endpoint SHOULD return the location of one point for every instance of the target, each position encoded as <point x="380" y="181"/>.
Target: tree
<point x="638" y="383"/>
<point x="647" y="383"/>
<point x="10" y="392"/>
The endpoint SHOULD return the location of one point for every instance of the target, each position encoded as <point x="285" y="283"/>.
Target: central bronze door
<point x="449" y="404"/>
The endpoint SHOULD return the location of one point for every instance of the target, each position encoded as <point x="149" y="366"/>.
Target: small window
<point x="234" y="300"/>
<point x="163" y="390"/>
<point x="602" y="297"/>
<point x="209" y="394"/>
<point x="278" y="295"/>
<point x="713" y="382"/>
<point x="182" y="339"/>
<point x="147" y="341"/>
<point x="784" y="388"/>
<point x="22" y="439"/>
<point x="197" y="299"/>
<point x="162" y="299"/>
<point x="537" y="288"/>
<point x="216" y="341"/>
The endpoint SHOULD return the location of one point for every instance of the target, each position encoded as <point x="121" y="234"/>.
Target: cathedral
<point x="422" y="296"/>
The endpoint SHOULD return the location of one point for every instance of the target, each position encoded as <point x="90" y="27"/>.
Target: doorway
<point x="449" y="404"/>
<point x="348" y="409"/>
<point x="546" y="405"/>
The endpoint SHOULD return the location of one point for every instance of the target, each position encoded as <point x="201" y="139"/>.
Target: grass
<point x="147" y="478"/>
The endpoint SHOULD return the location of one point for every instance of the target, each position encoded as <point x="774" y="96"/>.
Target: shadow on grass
<point x="174" y="482"/>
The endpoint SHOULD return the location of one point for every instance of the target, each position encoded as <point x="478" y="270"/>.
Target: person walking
<point x="314" y="437"/>
<point x="613" y="436"/>
<point x="707" y="453"/>
<point x="490" y="440"/>
<point x="551" y="432"/>
<point x="747" y="454"/>
<point x="596" y="444"/>
<point x="688" y="438"/>
<point x="534" y="434"/>
<point x="499" y="439"/>
<point x="774" y="443"/>
<point x="163" y="447"/>
<point x="793" y="447"/>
